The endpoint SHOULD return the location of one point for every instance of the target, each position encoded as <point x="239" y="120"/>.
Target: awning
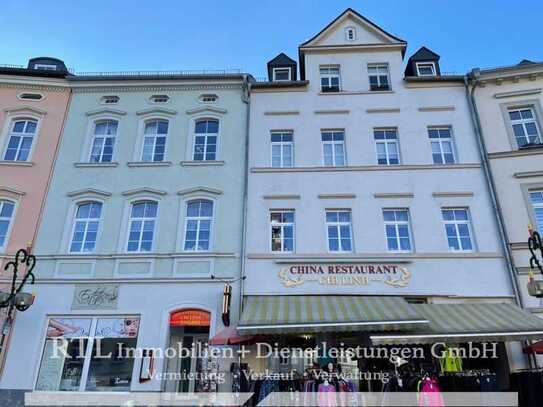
<point x="320" y="313"/>
<point x="230" y="336"/>
<point x="536" y="348"/>
<point x="457" y="323"/>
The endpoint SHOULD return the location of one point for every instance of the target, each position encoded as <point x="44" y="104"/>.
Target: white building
<point x="367" y="203"/>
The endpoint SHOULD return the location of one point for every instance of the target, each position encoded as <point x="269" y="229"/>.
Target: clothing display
<point x="450" y="362"/>
<point x="326" y="395"/>
<point x="430" y="393"/>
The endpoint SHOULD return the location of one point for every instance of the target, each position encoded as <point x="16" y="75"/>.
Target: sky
<point x="132" y="35"/>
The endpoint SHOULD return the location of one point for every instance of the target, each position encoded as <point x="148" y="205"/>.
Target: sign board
<point x="190" y="317"/>
<point x="95" y="296"/>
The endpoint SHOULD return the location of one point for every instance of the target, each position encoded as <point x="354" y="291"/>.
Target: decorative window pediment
<point x="199" y="190"/>
<point x="7" y="191"/>
<point x="25" y="109"/>
<point x="89" y="192"/>
<point x="156" y="110"/>
<point x="144" y="191"/>
<point x="105" y="111"/>
<point x="205" y="109"/>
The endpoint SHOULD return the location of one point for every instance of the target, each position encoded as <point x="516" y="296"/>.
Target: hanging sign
<point x="344" y="274"/>
<point x="190" y="317"/>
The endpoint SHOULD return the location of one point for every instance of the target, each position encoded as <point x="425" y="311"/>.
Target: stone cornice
<point x="402" y="167"/>
<point x="151" y="88"/>
<point x="34" y="86"/>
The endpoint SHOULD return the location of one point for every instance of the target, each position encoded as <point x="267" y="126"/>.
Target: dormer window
<point x="209" y="98"/>
<point x="426" y="69"/>
<point x="281" y="74"/>
<point x="350" y="33"/>
<point x="159" y="99"/>
<point x="109" y="99"/>
<point x="46" y="67"/>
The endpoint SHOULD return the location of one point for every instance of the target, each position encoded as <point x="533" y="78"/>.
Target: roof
<point x="33" y="72"/>
<point x="439" y="78"/>
<point x="280" y="84"/>
<point x="424" y="54"/>
<point x="282" y="59"/>
<point x="157" y="75"/>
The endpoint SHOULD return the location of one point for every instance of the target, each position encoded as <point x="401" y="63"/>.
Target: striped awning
<point x="456" y="323"/>
<point x="319" y="313"/>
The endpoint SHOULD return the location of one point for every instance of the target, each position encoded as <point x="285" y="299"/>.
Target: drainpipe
<point x="476" y="120"/>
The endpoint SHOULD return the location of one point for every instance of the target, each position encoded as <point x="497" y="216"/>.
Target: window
<point x="442" y="145"/>
<point x="386" y="143"/>
<point x="154" y="140"/>
<point x="205" y="140"/>
<point x="159" y="99"/>
<point x="103" y="141"/>
<point x="107" y="369"/>
<point x="426" y="69"/>
<point x="282" y="149"/>
<point x="85" y="228"/>
<point x="47" y="67"/>
<point x="6" y="214"/>
<point x="20" y="139"/>
<point x="282" y="230"/>
<point x="198" y="225"/>
<point x="330" y="79"/>
<point x="525" y="128"/>
<point x="109" y="100"/>
<point x="350" y="33"/>
<point x="333" y="148"/>
<point x="457" y="228"/>
<point x="30" y="96"/>
<point x="141" y="227"/>
<point x="397" y="229"/>
<point x="536" y="197"/>
<point x="338" y="226"/>
<point x="208" y="98"/>
<point x="281" y="74"/>
<point x="378" y="77"/>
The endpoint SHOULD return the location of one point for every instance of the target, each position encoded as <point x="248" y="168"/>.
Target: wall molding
<point x="452" y="194"/>
<point x="11" y="191"/>
<point x="280" y="197"/>
<point x="366" y="168"/>
<point x="202" y="109"/>
<point x="336" y="196"/>
<point x="376" y="257"/>
<point x="383" y="110"/>
<point x="105" y="110"/>
<point x="143" y="191"/>
<point x="389" y="195"/>
<point x="526" y="92"/>
<point x="197" y="190"/>
<point x="282" y="113"/>
<point x="332" y="111"/>
<point x="528" y="174"/>
<point x="89" y="191"/>
<point x="27" y="108"/>
<point x="437" y="109"/>
<point x="156" y="110"/>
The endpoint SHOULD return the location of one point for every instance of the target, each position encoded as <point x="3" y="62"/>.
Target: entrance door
<point x="189" y="367"/>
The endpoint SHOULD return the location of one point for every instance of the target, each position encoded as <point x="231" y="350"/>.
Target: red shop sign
<point x="190" y="317"/>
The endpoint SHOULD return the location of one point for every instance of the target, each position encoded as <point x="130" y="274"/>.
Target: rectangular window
<point x="20" y="139"/>
<point x="536" y="197"/>
<point x="426" y="69"/>
<point x="525" y="126"/>
<point x="141" y="226"/>
<point x="282" y="149"/>
<point x="103" y="142"/>
<point x="281" y="74"/>
<point x="378" y="77"/>
<point x="386" y="143"/>
<point x="397" y="229"/>
<point x="442" y="145"/>
<point x="339" y="229"/>
<point x="85" y="228"/>
<point x="154" y="141"/>
<point x="333" y="147"/>
<point x="282" y="230"/>
<point x="198" y="225"/>
<point x="205" y="140"/>
<point x="6" y="214"/>
<point x="457" y="228"/>
<point x="66" y="363"/>
<point x="330" y="79"/>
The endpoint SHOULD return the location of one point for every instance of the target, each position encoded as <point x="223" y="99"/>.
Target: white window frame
<point x="440" y="141"/>
<point x="456" y="223"/>
<point x="378" y="66"/>
<point x="47" y="67"/>
<point x="338" y="225"/>
<point x="523" y="122"/>
<point x="104" y="99"/>
<point x="11" y="220"/>
<point x="386" y="142"/>
<point x="21" y="96"/>
<point x="154" y="136"/>
<point x="194" y="135"/>
<point x="281" y="145"/>
<point x="208" y="98"/>
<point x="10" y="122"/>
<point x="274" y="73"/>
<point x="198" y="219"/>
<point x="282" y="225"/>
<point x="349" y="30"/>
<point x="93" y="136"/>
<point x="396" y="223"/>
<point x="535" y="207"/>
<point x="87" y="220"/>
<point x="333" y="143"/>
<point x="329" y="76"/>
<point x="153" y="99"/>
<point x="129" y="223"/>
<point x="430" y="64"/>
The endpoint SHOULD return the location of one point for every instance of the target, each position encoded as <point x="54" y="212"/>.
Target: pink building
<point x="33" y="103"/>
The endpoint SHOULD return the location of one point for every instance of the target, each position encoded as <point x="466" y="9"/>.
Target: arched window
<point x="141" y="226"/>
<point x="198" y="224"/>
<point x="85" y="229"/>
<point x="103" y="141"/>
<point x="20" y="139"/>
<point x="6" y="215"/>
<point x="205" y="140"/>
<point x="154" y="140"/>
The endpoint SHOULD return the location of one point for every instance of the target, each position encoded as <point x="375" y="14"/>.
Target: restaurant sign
<point x="345" y="274"/>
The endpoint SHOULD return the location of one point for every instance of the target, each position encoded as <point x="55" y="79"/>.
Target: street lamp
<point x="16" y="298"/>
<point x="535" y="287"/>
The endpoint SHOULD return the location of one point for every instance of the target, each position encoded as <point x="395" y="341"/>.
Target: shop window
<point x="65" y="362"/>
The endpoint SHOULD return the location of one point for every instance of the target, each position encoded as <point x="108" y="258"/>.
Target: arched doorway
<point x="189" y="335"/>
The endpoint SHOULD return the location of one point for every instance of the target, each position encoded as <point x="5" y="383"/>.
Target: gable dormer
<point x="423" y="63"/>
<point x="282" y="69"/>
<point x="350" y="31"/>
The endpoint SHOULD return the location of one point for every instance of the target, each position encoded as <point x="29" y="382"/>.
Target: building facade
<point x="142" y="227"/>
<point x="507" y="103"/>
<point x="367" y="201"/>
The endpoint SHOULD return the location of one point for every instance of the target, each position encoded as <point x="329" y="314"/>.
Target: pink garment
<point x="430" y="394"/>
<point x="326" y="395"/>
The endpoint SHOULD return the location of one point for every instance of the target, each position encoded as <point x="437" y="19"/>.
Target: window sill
<point x="202" y="163"/>
<point x="17" y="163"/>
<point x="149" y="163"/>
<point x="96" y="165"/>
<point x="358" y="92"/>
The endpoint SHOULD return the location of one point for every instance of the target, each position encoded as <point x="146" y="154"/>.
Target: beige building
<point x="508" y="108"/>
